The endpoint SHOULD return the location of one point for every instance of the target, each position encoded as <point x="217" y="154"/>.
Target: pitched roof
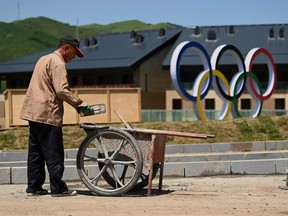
<point x="244" y="37"/>
<point x="117" y="50"/>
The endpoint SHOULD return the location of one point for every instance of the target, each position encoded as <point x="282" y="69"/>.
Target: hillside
<point x="33" y="35"/>
<point x="263" y="128"/>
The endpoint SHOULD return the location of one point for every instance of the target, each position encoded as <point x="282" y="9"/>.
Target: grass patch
<point x="262" y="128"/>
<point x="267" y="126"/>
<point x="244" y="129"/>
<point x="7" y="140"/>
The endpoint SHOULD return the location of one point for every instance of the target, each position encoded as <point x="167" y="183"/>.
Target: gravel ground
<point x="221" y="195"/>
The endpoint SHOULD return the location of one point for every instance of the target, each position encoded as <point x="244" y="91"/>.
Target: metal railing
<point x="189" y="115"/>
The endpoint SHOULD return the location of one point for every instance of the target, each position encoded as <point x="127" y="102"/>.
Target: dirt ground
<point x="222" y="195"/>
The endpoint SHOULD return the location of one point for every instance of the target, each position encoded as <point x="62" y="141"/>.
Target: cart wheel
<point x="117" y="152"/>
<point x="142" y="182"/>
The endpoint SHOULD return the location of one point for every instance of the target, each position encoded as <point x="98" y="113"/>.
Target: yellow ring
<point x="198" y="100"/>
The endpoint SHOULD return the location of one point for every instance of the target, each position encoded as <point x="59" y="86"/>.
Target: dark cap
<point x="74" y="42"/>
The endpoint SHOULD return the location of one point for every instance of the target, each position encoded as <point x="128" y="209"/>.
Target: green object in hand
<point x="85" y="110"/>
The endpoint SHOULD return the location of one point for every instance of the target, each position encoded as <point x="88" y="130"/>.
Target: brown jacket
<point x="47" y="90"/>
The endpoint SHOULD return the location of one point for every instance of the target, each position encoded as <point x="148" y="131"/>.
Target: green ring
<point x="254" y="77"/>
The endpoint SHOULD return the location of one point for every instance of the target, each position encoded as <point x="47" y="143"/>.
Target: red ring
<point x="264" y="96"/>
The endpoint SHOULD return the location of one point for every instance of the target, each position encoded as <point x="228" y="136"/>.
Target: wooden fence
<point x="126" y="101"/>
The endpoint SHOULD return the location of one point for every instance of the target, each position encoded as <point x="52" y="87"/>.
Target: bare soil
<point x="222" y="195"/>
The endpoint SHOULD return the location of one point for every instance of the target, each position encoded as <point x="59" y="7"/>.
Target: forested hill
<point x="32" y="35"/>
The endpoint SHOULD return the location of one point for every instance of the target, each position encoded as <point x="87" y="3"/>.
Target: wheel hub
<point x="107" y="161"/>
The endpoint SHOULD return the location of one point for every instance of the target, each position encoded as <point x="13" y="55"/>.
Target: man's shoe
<point x="65" y="193"/>
<point x="31" y="192"/>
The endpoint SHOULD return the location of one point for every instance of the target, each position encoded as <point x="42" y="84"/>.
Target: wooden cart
<point x="112" y="161"/>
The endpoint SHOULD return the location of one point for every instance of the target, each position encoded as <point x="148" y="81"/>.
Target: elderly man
<point x="43" y="109"/>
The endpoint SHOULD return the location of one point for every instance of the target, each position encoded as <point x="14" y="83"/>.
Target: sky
<point x="182" y="12"/>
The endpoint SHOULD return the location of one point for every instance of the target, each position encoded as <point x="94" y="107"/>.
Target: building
<point x="142" y="59"/>
<point x="245" y="37"/>
<point x="129" y="59"/>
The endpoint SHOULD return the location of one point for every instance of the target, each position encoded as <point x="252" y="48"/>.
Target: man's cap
<point x="74" y="42"/>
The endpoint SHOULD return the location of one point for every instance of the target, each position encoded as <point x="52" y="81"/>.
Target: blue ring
<point x="179" y="82"/>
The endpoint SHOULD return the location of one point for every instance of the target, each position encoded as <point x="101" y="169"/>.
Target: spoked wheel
<point x="112" y="152"/>
<point x="141" y="183"/>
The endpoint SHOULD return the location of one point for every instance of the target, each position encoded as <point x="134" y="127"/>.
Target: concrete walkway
<point x="186" y="160"/>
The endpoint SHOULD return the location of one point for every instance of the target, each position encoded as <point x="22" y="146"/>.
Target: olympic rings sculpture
<point x="211" y="76"/>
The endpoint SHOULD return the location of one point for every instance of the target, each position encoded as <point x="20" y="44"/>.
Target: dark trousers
<point x="45" y="146"/>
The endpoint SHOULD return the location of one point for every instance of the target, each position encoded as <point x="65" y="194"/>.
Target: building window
<point x="73" y="80"/>
<point x="176" y="104"/>
<point x="210" y="104"/>
<point x="89" y="80"/>
<point x="146" y="83"/>
<point x="245" y="104"/>
<point x="17" y="83"/>
<point x="280" y="107"/>
<point x="127" y="79"/>
<point x="105" y="80"/>
<point x="280" y="103"/>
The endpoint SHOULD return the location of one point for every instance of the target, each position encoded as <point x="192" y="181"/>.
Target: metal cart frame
<point x="151" y="156"/>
